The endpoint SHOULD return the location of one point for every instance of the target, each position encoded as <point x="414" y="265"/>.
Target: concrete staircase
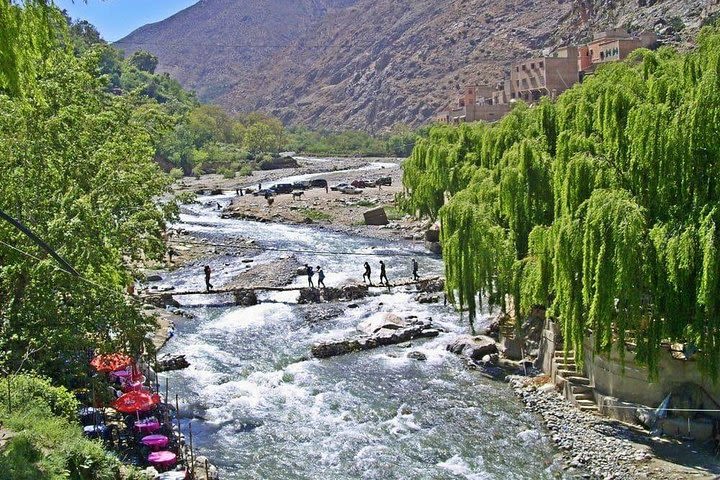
<point x="576" y="386"/>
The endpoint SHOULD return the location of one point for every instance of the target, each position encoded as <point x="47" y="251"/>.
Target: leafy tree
<point x="77" y="167"/>
<point x="144" y="61"/>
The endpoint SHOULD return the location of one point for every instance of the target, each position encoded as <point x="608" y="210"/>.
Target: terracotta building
<point x="476" y="104"/>
<point x="544" y="76"/>
<point x="611" y="46"/>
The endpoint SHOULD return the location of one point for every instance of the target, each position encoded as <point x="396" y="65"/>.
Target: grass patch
<point x="316" y="215"/>
<point x="46" y="442"/>
<point x="394" y="213"/>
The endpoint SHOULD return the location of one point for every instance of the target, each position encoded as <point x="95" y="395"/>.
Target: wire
<point x="73" y="274"/>
<point x="309" y="252"/>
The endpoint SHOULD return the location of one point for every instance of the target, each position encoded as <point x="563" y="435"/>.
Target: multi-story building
<point x="547" y="76"/>
<point x="611" y="46"/>
<point x="476" y="104"/>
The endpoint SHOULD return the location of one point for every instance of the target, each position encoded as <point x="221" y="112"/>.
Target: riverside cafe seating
<point x="140" y="431"/>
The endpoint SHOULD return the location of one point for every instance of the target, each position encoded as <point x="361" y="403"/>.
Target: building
<point x="476" y="104"/>
<point x="611" y="46"/>
<point x="547" y="76"/>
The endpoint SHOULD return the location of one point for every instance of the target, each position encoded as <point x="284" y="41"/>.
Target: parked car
<point x="264" y="192"/>
<point x="362" y="183"/>
<point x="281" y="188"/>
<point x="350" y="190"/>
<point x="339" y="186"/>
<point x="303" y="185"/>
<point x="384" y="181"/>
<point x="318" y="183"/>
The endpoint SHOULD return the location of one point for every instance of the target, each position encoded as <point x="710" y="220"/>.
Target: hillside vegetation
<point x="604" y="206"/>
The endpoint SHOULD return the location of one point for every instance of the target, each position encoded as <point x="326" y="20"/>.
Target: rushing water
<point x="263" y="409"/>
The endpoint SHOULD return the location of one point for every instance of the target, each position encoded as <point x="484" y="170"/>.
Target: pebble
<point x="594" y="447"/>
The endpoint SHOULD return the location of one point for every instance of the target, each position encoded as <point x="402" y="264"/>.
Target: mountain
<point x="369" y="64"/>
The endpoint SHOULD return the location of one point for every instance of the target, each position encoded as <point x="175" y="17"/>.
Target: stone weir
<point x="389" y="330"/>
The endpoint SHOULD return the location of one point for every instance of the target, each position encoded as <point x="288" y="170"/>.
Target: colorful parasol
<point x="111" y="362"/>
<point x="135" y="401"/>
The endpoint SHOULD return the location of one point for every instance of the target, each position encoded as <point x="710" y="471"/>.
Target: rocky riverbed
<point x="601" y="448"/>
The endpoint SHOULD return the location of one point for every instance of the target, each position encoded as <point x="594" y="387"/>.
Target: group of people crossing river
<point x="310" y="272"/>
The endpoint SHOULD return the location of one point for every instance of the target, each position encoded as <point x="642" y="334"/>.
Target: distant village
<point x="544" y="76"/>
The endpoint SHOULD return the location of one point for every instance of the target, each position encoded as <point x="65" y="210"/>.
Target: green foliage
<point x="602" y="206"/>
<point x="77" y="168"/>
<point x="316" y="215"/>
<point x="176" y="173"/>
<point x="144" y="61"/>
<point x="46" y="443"/>
<point x="30" y="391"/>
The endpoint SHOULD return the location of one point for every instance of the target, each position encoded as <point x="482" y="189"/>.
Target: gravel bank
<point x="601" y="448"/>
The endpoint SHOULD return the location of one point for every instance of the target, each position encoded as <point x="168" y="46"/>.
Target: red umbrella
<point x="136" y="401"/>
<point x="111" y="362"/>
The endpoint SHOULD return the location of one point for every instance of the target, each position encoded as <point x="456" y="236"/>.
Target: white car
<point x="350" y="190"/>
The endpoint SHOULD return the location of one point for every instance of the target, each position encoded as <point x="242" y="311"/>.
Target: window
<point x="518" y="83"/>
<point x="542" y="64"/>
<point x="517" y="69"/>
<point x="532" y="66"/>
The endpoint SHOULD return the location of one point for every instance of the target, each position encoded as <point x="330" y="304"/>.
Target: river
<point x="261" y="408"/>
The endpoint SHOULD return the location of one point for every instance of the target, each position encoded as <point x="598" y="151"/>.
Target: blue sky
<point x="116" y="18"/>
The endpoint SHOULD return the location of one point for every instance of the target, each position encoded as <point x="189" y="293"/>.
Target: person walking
<point x="310" y="273"/>
<point x="415" y="266"/>
<point x="383" y="275"/>
<point x="321" y="277"/>
<point x="366" y="275"/>
<point x="208" y="285"/>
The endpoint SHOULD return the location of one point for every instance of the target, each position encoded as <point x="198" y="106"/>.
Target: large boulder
<point x="309" y="295"/>
<point x="277" y="163"/>
<point x="433" y="247"/>
<point x="376" y="216"/>
<point x="474" y="348"/>
<point x="162" y="300"/>
<point x="389" y="322"/>
<point x="245" y="298"/>
<point x="432" y="235"/>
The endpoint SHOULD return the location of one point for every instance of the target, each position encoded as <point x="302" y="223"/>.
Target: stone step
<point x="565" y="365"/>
<point x="577" y="380"/>
<point x="586" y="403"/>
<point x="567" y="373"/>
<point x="589" y="409"/>
<point x="561" y="353"/>
<point x="581" y="389"/>
<point x="584" y="396"/>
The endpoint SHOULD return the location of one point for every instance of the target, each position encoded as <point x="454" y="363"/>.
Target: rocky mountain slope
<point x="369" y="64"/>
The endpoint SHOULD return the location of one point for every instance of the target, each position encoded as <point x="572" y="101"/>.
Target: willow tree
<point x="602" y="205"/>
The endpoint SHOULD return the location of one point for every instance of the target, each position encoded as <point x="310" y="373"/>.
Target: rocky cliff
<point x="369" y="64"/>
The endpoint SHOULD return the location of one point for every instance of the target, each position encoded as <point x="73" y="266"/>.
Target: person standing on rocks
<point x="310" y="273"/>
<point x="321" y="277"/>
<point x="383" y="275"/>
<point x="415" y="266"/>
<point x="367" y="273"/>
<point x="208" y="285"/>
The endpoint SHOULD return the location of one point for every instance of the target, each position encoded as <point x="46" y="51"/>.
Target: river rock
<point x="154" y="278"/>
<point x="383" y="337"/>
<point x="162" y="300"/>
<point x="427" y="298"/>
<point x="474" y="348"/>
<point x="376" y="216"/>
<point x="417" y="355"/>
<point x="309" y="295"/>
<point x="432" y="235"/>
<point x="434" y="285"/>
<point x="388" y="322"/>
<point x="433" y="247"/>
<point x="245" y="298"/>
<point x="168" y="363"/>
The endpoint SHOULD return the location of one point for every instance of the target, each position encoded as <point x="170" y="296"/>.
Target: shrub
<point x="176" y="173"/>
<point x="245" y="171"/>
<point x="29" y="391"/>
